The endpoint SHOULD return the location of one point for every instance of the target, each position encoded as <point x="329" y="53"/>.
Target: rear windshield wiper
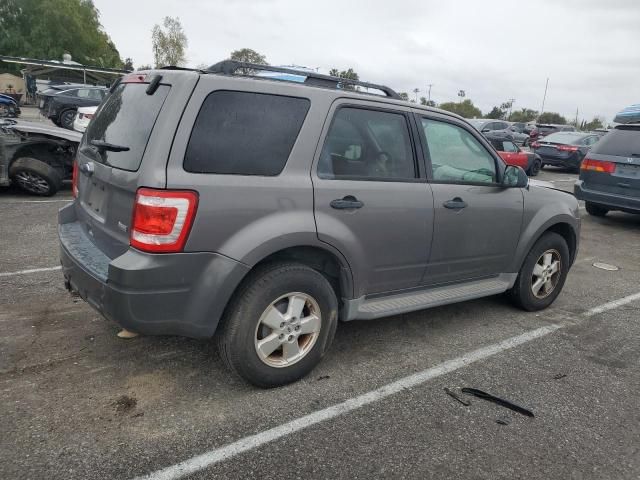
<point x="106" y="146"/>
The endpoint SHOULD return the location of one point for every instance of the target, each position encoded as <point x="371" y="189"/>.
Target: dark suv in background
<point x="610" y="174"/>
<point x="263" y="211"/>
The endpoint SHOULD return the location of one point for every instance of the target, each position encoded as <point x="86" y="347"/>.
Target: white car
<point x="83" y="117"/>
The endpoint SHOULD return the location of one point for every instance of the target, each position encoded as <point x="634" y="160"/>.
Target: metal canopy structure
<point x="66" y="68"/>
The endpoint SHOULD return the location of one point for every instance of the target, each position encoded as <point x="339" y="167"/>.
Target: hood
<point x="541" y="183"/>
<point x="43" y="129"/>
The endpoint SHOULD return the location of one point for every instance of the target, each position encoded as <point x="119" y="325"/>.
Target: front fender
<point x="541" y="214"/>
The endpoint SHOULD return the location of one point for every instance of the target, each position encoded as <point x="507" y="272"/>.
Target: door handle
<point x="456" y="203"/>
<point x="347" y="202"/>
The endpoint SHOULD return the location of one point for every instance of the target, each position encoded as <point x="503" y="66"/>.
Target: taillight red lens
<point x="74" y="179"/>
<point x="162" y="219"/>
<point x="134" y="78"/>
<point x="597" y="166"/>
<point x="567" y="148"/>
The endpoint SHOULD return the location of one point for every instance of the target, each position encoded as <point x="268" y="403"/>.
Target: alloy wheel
<point x="546" y="273"/>
<point x="288" y="329"/>
<point x="32" y="182"/>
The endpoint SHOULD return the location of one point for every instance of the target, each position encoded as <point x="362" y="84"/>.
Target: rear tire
<point x="66" y="118"/>
<point x="535" y="168"/>
<point x="35" y="176"/>
<point x="264" y="308"/>
<point x="595" y="209"/>
<point x="538" y="285"/>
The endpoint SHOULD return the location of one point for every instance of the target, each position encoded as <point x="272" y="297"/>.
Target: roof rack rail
<point x="229" y="67"/>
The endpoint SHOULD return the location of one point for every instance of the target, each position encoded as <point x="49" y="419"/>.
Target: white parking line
<point x="31" y="270"/>
<point x="611" y="305"/>
<point x="37" y="201"/>
<point x="245" y="444"/>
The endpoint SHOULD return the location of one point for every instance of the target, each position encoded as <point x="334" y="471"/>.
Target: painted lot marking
<point x="31" y="270"/>
<point x="10" y="202"/>
<point x="212" y="457"/>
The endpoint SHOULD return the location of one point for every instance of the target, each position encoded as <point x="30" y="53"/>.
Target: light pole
<point x="416" y="90"/>
<point x="511" y="101"/>
<point x="461" y="94"/>
<point x="544" y="97"/>
<point x="429" y="94"/>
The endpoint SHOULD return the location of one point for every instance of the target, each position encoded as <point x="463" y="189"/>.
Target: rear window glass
<point x="564" y="137"/>
<point x="620" y="142"/>
<point x="243" y="133"/>
<point x="547" y="129"/>
<point x="126" y="119"/>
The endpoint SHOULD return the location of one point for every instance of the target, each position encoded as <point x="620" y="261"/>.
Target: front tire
<point x="279" y="324"/>
<point x="35" y="176"/>
<point x="543" y="273"/>
<point x="595" y="209"/>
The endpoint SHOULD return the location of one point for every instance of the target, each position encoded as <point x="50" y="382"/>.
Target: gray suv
<point x="264" y="210"/>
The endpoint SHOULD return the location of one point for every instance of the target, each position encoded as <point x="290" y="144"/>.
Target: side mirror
<point x="515" y="177"/>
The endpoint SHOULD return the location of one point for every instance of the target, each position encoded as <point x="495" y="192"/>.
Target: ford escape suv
<point x="263" y="211"/>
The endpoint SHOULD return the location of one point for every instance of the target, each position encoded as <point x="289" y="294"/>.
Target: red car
<point x="514" y="155"/>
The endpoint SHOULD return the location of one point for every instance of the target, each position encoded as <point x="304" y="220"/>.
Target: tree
<point x="465" y="108"/>
<point x="349" y="74"/>
<point x="46" y="30"/>
<point x="144" y="67"/>
<point x="593" y="124"/>
<point x="128" y="64"/>
<point x="169" y="44"/>
<point x="404" y="96"/>
<point x="496" y="113"/>
<point x="524" y="115"/>
<point x="248" y="55"/>
<point x="428" y="103"/>
<point x="552" y="117"/>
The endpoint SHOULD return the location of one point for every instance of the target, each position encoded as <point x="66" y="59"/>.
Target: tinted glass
<point x="547" y="129"/>
<point x="126" y="118"/>
<point x="623" y="142"/>
<point x="243" y="133"/>
<point x="509" y="147"/>
<point x="368" y="145"/>
<point x="456" y="156"/>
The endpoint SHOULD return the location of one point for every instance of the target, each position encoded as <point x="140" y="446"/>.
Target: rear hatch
<point x="619" y="170"/>
<point x="561" y="145"/>
<point x="126" y="146"/>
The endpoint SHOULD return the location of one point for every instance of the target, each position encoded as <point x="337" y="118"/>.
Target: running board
<point x="366" y="309"/>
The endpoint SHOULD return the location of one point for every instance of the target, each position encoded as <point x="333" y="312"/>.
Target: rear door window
<point x="244" y="133"/>
<point x="126" y="119"/>
<point x="369" y="145"/>
<point x="622" y="142"/>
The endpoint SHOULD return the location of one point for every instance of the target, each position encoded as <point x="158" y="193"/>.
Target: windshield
<point x="126" y="119"/>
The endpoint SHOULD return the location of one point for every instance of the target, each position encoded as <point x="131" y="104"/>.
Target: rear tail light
<point x="162" y="219"/>
<point x="597" y="166"/>
<point x="135" y="78"/>
<point x="567" y="148"/>
<point x="74" y="179"/>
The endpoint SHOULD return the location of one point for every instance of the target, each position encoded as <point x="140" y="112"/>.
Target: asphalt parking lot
<point x="78" y="402"/>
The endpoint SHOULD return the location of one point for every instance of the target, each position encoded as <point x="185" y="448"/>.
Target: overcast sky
<point x="494" y="50"/>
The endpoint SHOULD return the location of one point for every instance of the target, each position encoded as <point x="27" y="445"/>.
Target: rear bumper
<point x="571" y="161"/>
<point x="610" y="200"/>
<point x="154" y="294"/>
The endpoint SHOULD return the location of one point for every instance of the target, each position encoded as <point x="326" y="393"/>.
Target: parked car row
<point x="60" y="103"/>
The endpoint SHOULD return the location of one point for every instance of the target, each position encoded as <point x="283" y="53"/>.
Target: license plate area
<point x="628" y="171"/>
<point x="94" y="200"/>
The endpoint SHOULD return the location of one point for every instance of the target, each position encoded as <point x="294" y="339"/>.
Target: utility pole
<point x="576" y="118"/>
<point x="429" y="95"/>
<point x="545" y="96"/>
<point x="511" y="102"/>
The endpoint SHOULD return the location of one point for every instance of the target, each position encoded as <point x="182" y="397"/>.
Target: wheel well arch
<point x="329" y="264"/>
<point x="567" y="232"/>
